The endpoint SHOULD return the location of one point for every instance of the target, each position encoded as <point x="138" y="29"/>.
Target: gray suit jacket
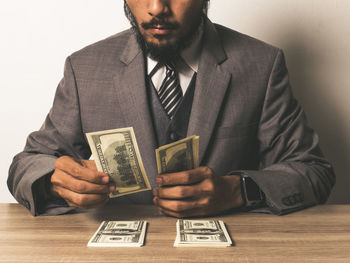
<point x="243" y="110"/>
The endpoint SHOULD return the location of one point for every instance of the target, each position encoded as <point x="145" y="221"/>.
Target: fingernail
<point x="155" y="200"/>
<point x="105" y="179"/>
<point x="159" y="180"/>
<point x="155" y="191"/>
<point x="112" y="188"/>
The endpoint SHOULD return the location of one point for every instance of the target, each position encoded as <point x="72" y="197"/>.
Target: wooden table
<point x="318" y="234"/>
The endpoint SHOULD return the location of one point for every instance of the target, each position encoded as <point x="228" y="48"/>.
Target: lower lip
<point x="160" y="31"/>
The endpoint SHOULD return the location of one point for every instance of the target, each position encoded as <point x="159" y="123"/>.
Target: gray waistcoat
<point x="170" y="130"/>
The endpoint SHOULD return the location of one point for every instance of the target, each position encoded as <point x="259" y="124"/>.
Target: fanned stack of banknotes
<point x="190" y="233"/>
<point x="116" y="153"/>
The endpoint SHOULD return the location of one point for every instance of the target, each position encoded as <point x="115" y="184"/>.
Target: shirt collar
<point x="191" y="54"/>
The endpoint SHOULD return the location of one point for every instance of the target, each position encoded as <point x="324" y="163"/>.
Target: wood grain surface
<point x="317" y="234"/>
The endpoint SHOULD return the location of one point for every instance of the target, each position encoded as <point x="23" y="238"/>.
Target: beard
<point x="165" y="53"/>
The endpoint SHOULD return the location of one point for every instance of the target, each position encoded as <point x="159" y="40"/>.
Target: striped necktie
<point x="170" y="92"/>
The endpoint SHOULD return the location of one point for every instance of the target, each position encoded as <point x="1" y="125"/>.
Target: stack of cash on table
<point x="201" y="233"/>
<point x="119" y="234"/>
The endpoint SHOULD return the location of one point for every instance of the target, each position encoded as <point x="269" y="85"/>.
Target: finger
<point x="185" y="177"/>
<point x="177" y="192"/>
<point x="90" y="164"/>
<point x="84" y="201"/>
<point x="69" y="166"/>
<point x="69" y="182"/>
<point x="181" y="205"/>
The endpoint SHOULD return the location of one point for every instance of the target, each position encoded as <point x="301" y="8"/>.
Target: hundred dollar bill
<point x="201" y="233"/>
<point x="119" y="234"/>
<point x="116" y="153"/>
<point x="178" y="156"/>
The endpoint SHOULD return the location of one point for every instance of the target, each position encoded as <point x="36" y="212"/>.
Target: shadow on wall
<point x="314" y="82"/>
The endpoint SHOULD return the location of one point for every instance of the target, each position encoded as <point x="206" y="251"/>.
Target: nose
<point x="158" y="8"/>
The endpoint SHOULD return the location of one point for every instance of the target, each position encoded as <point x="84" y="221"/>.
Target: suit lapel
<point x="211" y="86"/>
<point x="130" y="86"/>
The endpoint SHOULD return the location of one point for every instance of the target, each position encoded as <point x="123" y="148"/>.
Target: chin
<point x="160" y="48"/>
<point x="161" y="41"/>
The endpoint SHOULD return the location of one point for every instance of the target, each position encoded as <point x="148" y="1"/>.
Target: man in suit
<point x="176" y="74"/>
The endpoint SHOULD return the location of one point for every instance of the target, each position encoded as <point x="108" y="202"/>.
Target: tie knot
<point x="170" y="66"/>
<point x="170" y="70"/>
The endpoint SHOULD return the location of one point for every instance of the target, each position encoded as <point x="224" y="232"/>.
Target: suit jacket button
<point x="173" y="136"/>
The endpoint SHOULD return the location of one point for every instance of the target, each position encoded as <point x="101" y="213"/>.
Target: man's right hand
<point x="80" y="186"/>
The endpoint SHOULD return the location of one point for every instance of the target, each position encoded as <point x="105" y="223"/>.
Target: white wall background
<point x="37" y="35"/>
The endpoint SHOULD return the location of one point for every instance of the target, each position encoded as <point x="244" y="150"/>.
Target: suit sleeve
<point x="294" y="174"/>
<point x="61" y="134"/>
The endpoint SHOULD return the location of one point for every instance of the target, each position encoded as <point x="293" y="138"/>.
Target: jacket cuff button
<point x="26" y="204"/>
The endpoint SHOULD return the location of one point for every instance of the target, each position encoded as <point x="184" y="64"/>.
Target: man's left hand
<point x="197" y="192"/>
